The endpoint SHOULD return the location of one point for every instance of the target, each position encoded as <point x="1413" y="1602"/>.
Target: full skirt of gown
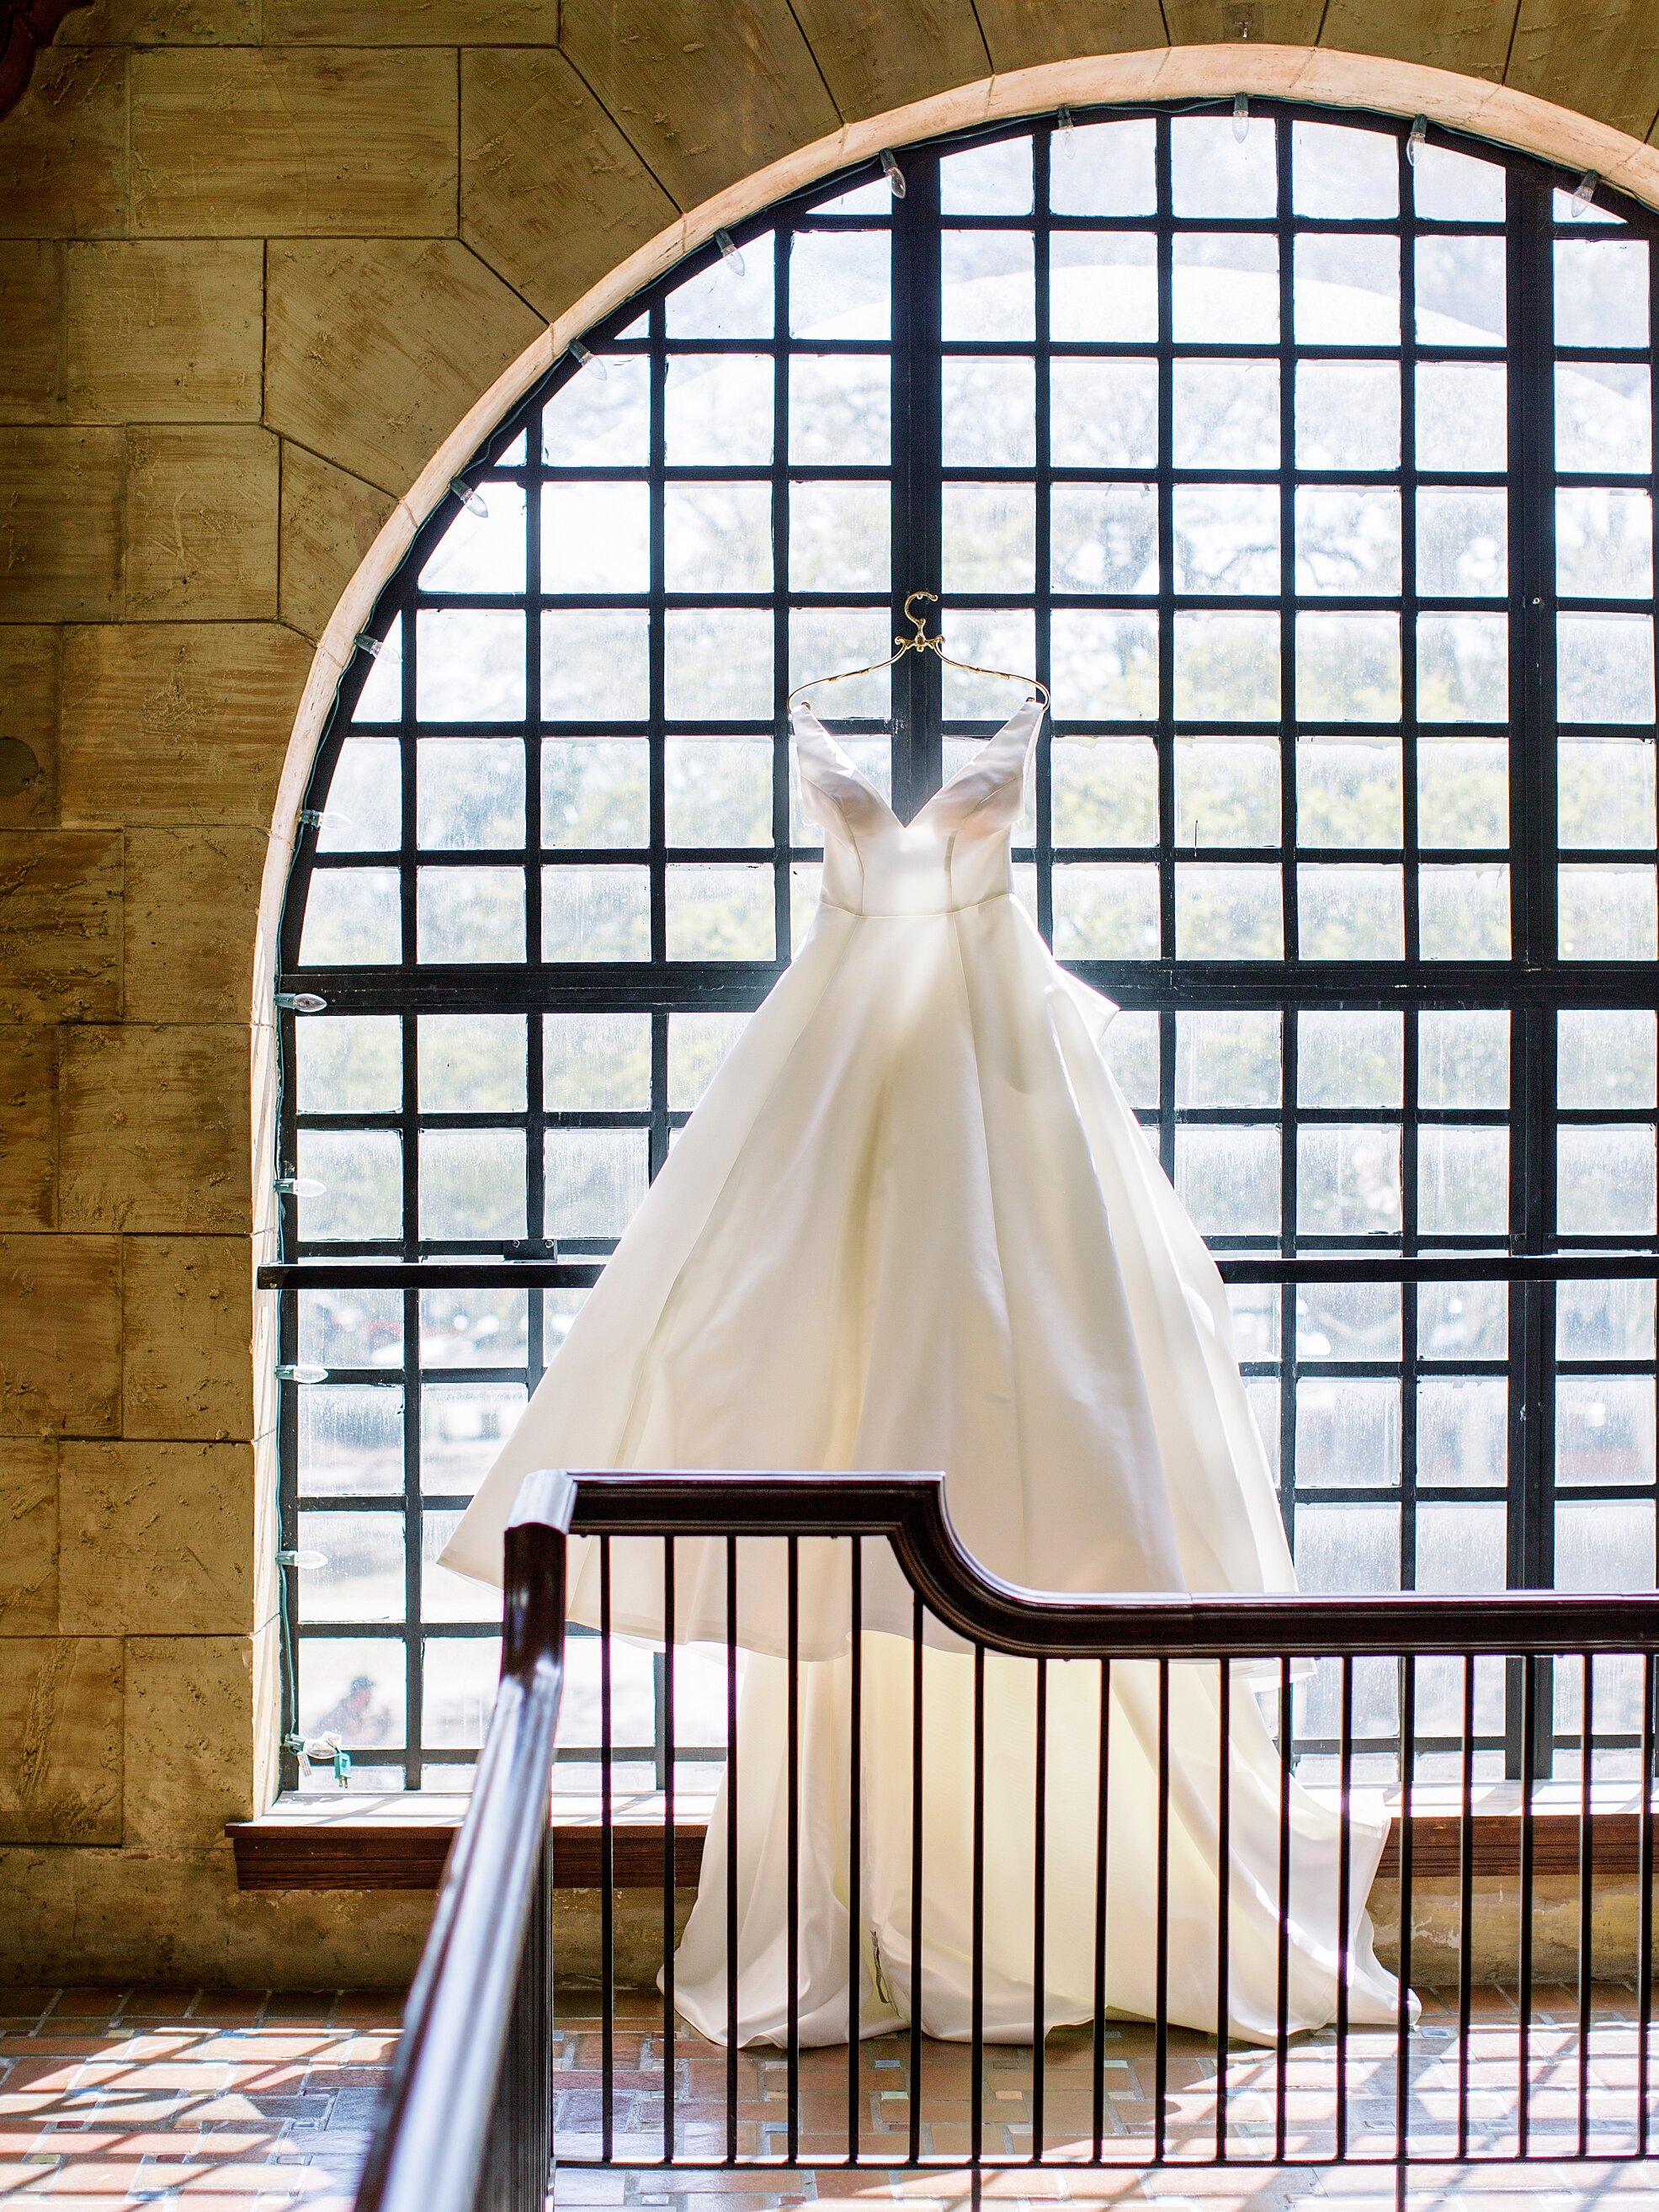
<point x="914" y="1224"/>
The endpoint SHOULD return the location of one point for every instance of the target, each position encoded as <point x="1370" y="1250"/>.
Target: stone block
<point x="31" y="661"/>
<point x="412" y="22"/>
<point x="177" y="723"/>
<point x="188" y="1337"/>
<point x="192" y="899"/>
<point x="552" y="194"/>
<point x="64" y="154"/>
<point x="60" y="1739"/>
<point x="201" y="523"/>
<point x="28" y="1537"/>
<point x="31" y="331"/>
<point x="1019" y="36"/>
<point x="29" y="1126"/>
<point x="60" y="523"/>
<point x="1210" y="22"/>
<point x="374" y="352"/>
<point x="189" y="1734"/>
<point x="1469" y="36"/>
<point x="162" y="23"/>
<point x="329" y="521"/>
<point x="60" y="925"/>
<point x="60" y="1335"/>
<point x="160" y="332"/>
<point x="245" y="142"/>
<point x="153" y="1129"/>
<point x="1602" y="61"/>
<point x="708" y="95"/>
<point x="155" y="1538"/>
<point x="874" y="56"/>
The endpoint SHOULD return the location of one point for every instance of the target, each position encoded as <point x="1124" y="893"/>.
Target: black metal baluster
<point x="1344" y="1898"/>
<point x="731" y="1851"/>
<point x="1161" y="2000"/>
<point x="1224" y="1890"/>
<point x="1465" y="1907"/>
<point x="1403" y="2075"/>
<point x="670" y="1853"/>
<point x="915" y="2148"/>
<point x="1039" y="1911"/>
<point x="854" y="1854"/>
<point x="1523" y="1993"/>
<point x="607" y="1877"/>
<point x="1586" y="1897"/>
<point x="792" y="1783"/>
<point x="1644" y="1911"/>
<point x="976" y="2025"/>
<point x="1097" y="2087"/>
<point x="1282" y="1964"/>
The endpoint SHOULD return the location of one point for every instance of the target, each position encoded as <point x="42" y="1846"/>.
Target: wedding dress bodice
<point x="955" y="852"/>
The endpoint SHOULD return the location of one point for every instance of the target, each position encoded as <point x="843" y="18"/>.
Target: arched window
<point x="1308" y="457"/>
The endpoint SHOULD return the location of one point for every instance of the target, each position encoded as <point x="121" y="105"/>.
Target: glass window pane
<point x="1600" y="292"/>
<point x="1102" y="284"/>
<point x="1607" y="1546"/>
<point x="1350" y="913"/>
<point x="1226" y="415"/>
<point x="1462" y="417"/>
<point x="1105" y="666"/>
<point x="353" y="917"/>
<point x="1603" y="417"/>
<point x="1346" y="291"/>
<point x="1228" y="913"/>
<point x="463" y="1428"/>
<point x="1337" y="171"/>
<point x="596" y="1062"/>
<point x="718" y="791"/>
<point x="1104" y="790"/>
<point x="1225" y="289"/>
<point x="461" y="1676"/>
<point x="1604" y="668"/>
<point x="594" y="793"/>
<point x="1463" y="1433"/>
<point x="1347" y="1433"/>
<point x="840" y="409"/>
<point x="1461" y="1547"/>
<point x="1606" y="914"/>
<point x="1463" y="792"/>
<point x="469" y="914"/>
<point x="1347" y="1180"/>
<point x="1351" y="1547"/>
<point x="1462" y="1058"/>
<point x="1347" y="667"/>
<point x="1463" y="544"/>
<point x="990" y="641"/>
<point x="1104" y="168"/>
<point x="822" y="640"/>
<point x="1462" y="291"/>
<point x="363" y="812"/>
<point x="348" y="1064"/>
<point x="1604" y="1429"/>
<point x="1226" y="538"/>
<point x="1101" y="414"/>
<point x="1215" y="172"/>
<point x="727" y="298"/>
<point x="1604" y="1058"/>
<point x="717" y="537"/>
<point x="1604" y="792"/>
<point x="988" y="411"/>
<point x="474" y="1328"/>
<point x="1347" y="541"/>
<point x="840" y="284"/>
<point x="1463" y="913"/>
<point x="720" y="913"/>
<point x="446" y="1595"/>
<point x="1604" y="1180"/>
<point x="1347" y="792"/>
<point x="1227" y="1059"/>
<point x="595" y="665"/>
<point x="1462" y="668"/>
<point x="988" y="288"/>
<point x="601" y="417"/>
<point x="469" y="794"/>
<point x="596" y="914"/>
<point x="1226" y="667"/>
<point x="716" y="407"/>
<point x="361" y="1174"/>
<point x="1132" y="1046"/>
<point x="351" y="1434"/>
<point x="995" y="179"/>
<point x="1455" y="187"/>
<point x="1228" y="1179"/>
<point x="595" y="1179"/>
<point x="1347" y="415"/>
<point x="718" y="663"/>
<point x="354" y="1687"/>
<point x="988" y="538"/>
<point x="1103" y="537"/>
<point x="1226" y="792"/>
<point x="596" y="536"/>
<point x="1462" y="1182"/>
<point x="361" y="1576"/>
<point x="469" y="666"/>
<point x="472" y="1063"/>
<point x="472" y="1184"/>
<point x="1348" y="1320"/>
<point x="1349" y="1058"/>
<point x="697" y="1044"/>
<point x="1603" y="544"/>
<point x="1105" y="912"/>
<point x="1462" y="1320"/>
<point x="1611" y="1320"/>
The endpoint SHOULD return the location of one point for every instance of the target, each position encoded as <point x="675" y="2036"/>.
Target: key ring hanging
<point x="921" y="643"/>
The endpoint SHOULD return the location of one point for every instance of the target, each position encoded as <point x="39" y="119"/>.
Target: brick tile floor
<point x="236" y="2101"/>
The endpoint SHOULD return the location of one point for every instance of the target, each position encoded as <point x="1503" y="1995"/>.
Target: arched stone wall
<point x="268" y="268"/>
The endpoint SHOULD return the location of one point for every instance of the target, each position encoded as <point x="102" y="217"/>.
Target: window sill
<point x="356" y="1840"/>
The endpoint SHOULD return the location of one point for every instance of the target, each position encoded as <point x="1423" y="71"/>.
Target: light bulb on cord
<point x="1241" y="117"/>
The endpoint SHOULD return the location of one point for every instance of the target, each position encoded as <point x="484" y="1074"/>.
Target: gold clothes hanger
<point x="921" y="643"/>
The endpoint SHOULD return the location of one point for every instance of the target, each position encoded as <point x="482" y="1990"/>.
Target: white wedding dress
<point x="913" y="1224"/>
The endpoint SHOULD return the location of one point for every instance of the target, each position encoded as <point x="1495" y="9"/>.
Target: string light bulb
<point x="729" y="253"/>
<point x="1241" y="117"/>
<point x="584" y="359"/>
<point x="1584" y="192"/>
<point x="472" y="500"/>
<point x="1065" y="125"/>
<point x="1418" y="133"/>
<point x="894" y="174"/>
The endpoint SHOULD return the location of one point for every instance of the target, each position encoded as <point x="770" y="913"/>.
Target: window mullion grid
<point x="1287" y="700"/>
<point x="1409" y="1091"/>
<point x="409" y="1120"/>
<point x="1042" y="800"/>
<point x="783" y="239"/>
<point x="535" y="1227"/>
<point x="414" y="1642"/>
<point x="1166" y="718"/>
<point x="658" y="642"/>
<point x="287" y="1475"/>
<point x="918" y="247"/>
<point x="1410" y="830"/>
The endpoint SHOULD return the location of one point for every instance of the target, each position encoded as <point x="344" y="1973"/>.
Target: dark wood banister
<point x="467" y="2126"/>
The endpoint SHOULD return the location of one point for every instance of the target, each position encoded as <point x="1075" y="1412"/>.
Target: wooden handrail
<point x="468" y="2118"/>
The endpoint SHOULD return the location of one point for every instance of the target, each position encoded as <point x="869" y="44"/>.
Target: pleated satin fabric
<point x="914" y="1224"/>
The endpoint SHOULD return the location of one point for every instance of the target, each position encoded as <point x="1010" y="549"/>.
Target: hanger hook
<point x="920" y="643"/>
